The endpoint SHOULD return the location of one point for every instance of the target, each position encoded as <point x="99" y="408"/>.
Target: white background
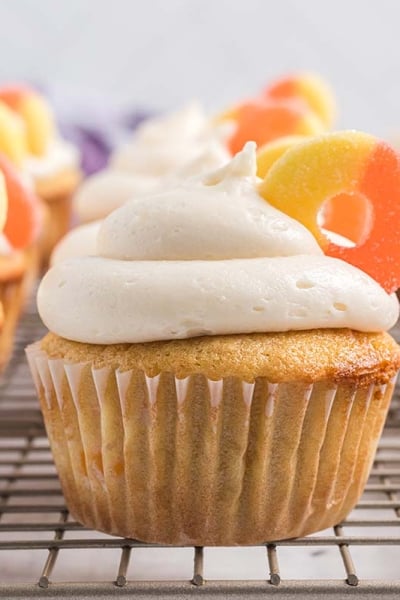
<point x="159" y="54"/>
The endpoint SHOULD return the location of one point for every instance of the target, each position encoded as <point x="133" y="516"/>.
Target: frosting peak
<point x="243" y="164"/>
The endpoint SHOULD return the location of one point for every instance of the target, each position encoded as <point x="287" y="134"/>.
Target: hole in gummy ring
<point x="346" y="218"/>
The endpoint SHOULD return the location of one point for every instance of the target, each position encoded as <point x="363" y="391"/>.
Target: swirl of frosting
<point x="107" y="190"/>
<point x="209" y="257"/>
<point x="81" y="241"/>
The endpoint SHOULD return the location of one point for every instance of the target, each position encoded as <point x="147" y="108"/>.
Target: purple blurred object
<point x="96" y="142"/>
<point x="92" y="144"/>
<point x="95" y="123"/>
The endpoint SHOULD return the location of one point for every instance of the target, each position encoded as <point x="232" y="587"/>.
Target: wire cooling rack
<point x="44" y="553"/>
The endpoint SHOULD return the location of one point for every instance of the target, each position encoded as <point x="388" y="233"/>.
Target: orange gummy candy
<point x="379" y="254"/>
<point x="12" y="95"/>
<point x="348" y="182"/>
<point x="308" y="88"/>
<point x="35" y="114"/>
<point x="24" y="215"/>
<point x="262" y="121"/>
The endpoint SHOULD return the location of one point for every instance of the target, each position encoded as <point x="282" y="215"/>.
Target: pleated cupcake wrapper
<point x="195" y="461"/>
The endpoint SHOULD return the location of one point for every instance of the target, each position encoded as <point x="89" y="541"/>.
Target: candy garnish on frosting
<point x="336" y="168"/>
<point x="24" y="216"/>
<point x="309" y="89"/>
<point x="35" y="114"/>
<point x="265" y="120"/>
<point x="208" y="257"/>
<point x="268" y="154"/>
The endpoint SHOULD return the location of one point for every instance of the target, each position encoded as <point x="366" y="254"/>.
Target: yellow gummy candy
<point x="311" y="172"/>
<point x="39" y="123"/>
<point x="12" y="135"/>
<point x="268" y="154"/>
<point x="312" y="89"/>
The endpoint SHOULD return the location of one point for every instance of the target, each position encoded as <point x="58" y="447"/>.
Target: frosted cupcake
<point x="19" y="255"/>
<point x="208" y="349"/>
<point x="29" y="137"/>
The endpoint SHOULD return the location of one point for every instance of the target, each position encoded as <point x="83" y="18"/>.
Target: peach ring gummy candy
<point x="350" y="183"/>
<point x="262" y="121"/>
<point x="309" y="89"/>
<point x="35" y="114"/>
<point x="23" y="216"/>
<point x="12" y="135"/>
<point x="268" y="154"/>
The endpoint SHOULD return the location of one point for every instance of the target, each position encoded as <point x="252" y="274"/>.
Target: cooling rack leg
<point x="272" y="556"/>
<point x="123" y="567"/>
<point x="198" y="566"/>
<point x="344" y="550"/>
<point x="53" y="554"/>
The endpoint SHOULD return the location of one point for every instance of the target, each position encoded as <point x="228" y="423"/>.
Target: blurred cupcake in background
<point x="19" y="252"/>
<point x="30" y="139"/>
<point x="293" y="107"/>
<point x="162" y="150"/>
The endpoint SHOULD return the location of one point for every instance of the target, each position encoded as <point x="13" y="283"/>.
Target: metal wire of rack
<point x="34" y="522"/>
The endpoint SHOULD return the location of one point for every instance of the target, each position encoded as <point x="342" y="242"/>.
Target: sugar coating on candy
<point x="268" y="154"/>
<point x="350" y="164"/>
<point x="35" y="114"/>
<point x="262" y="121"/>
<point x="23" y="217"/>
<point x="12" y="135"/>
<point x="308" y="88"/>
<point x="314" y="171"/>
<point x="379" y="255"/>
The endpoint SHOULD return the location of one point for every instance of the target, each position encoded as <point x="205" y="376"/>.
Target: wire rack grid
<point x="35" y="525"/>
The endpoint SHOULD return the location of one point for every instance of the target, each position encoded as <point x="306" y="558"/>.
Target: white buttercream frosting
<point x="107" y="190"/>
<point x="81" y="241"/>
<point x="163" y="151"/>
<point x="209" y="257"/>
<point x="165" y="144"/>
<point x="59" y="156"/>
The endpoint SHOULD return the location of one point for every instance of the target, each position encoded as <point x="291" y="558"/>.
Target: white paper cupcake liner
<point x="201" y="462"/>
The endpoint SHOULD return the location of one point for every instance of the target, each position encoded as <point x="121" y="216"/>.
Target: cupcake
<point x="163" y="150"/>
<point x="19" y="256"/>
<point x="32" y="142"/>
<point x="211" y="377"/>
